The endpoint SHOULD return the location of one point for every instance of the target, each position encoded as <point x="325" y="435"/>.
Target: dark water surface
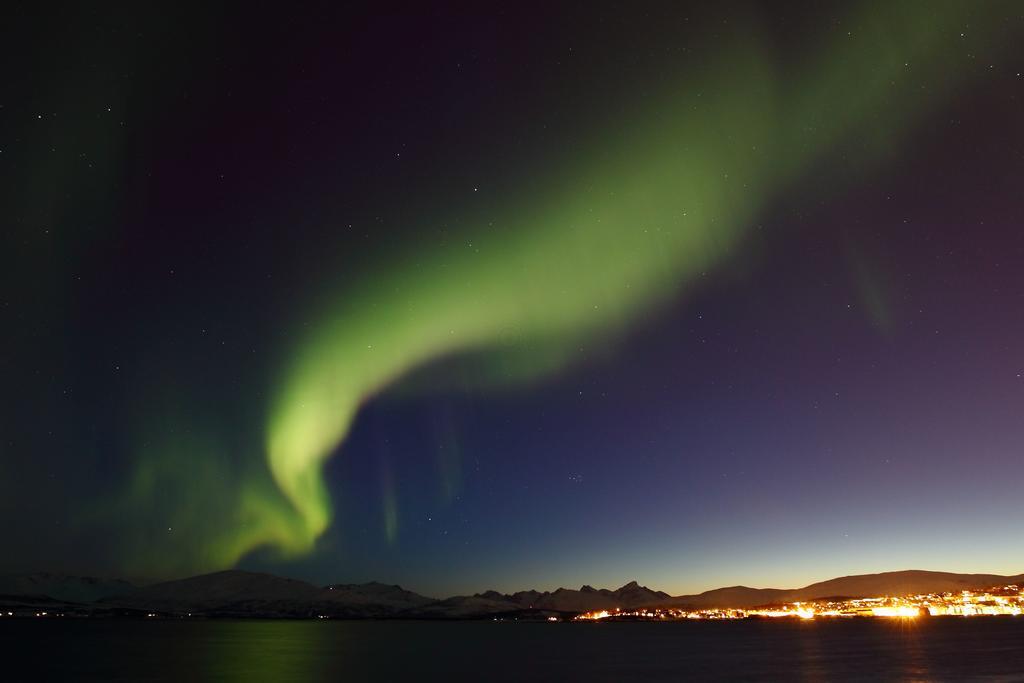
<point x="990" y="648"/>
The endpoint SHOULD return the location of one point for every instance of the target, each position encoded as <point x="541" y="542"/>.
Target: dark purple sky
<point x="842" y="394"/>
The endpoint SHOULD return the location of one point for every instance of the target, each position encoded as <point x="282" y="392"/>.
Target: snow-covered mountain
<point x="63" y="587"/>
<point x="251" y="594"/>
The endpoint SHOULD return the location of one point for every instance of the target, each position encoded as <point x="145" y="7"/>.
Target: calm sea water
<point x="868" y="650"/>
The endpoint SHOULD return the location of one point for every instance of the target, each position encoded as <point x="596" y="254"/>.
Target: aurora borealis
<point x="463" y="298"/>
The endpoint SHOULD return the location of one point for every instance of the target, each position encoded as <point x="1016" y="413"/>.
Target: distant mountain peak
<point x="60" y="586"/>
<point x="236" y="592"/>
<point x="491" y="595"/>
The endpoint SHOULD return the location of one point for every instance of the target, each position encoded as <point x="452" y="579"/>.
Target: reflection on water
<point x="264" y="651"/>
<point x="946" y="648"/>
<point x="914" y="645"/>
<point x="812" y="658"/>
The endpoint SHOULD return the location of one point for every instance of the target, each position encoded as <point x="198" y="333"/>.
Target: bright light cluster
<point x="1004" y="600"/>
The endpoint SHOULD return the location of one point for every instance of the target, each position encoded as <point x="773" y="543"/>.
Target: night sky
<point x="513" y="296"/>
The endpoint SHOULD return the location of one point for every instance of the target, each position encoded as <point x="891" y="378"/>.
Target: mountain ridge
<point x="241" y="593"/>
<point x="894" y="583"/>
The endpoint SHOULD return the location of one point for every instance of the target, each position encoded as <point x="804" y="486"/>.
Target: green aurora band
<point x="656" y="203"/>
